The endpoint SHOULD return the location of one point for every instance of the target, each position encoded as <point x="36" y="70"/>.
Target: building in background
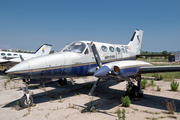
<point x="177" y="56"/>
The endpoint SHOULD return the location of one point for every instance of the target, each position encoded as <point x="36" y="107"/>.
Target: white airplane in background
<point x="84" y="58"/>
<point x="9" y="59"/>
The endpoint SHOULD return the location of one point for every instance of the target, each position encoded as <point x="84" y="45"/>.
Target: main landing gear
<point x="135" y="91"/>
<point x="139" y="90"/>
<point x="27" y="99"/>
<point x="62" y="81"/>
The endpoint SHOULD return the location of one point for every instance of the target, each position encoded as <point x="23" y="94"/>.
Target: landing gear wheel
<point x="133" y="92"/>
<point x="24" y="103"/>
<point x="63" y="81"/>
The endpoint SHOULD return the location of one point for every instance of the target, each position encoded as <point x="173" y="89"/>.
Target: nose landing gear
<point x="27" y="99"/>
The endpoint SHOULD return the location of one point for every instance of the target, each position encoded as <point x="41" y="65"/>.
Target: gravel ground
<point x="76" y="103"/>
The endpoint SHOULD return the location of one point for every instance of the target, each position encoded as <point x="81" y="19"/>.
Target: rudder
<point x="136" y="42"/>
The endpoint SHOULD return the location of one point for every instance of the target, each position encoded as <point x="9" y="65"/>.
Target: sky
<point x="27" y="24"/>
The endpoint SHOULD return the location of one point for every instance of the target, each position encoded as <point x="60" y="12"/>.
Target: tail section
<point x="136" y="42"/>
<point x="43" y="50"/>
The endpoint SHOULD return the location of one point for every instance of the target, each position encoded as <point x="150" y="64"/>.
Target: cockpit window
<point x="86" y="52"/>
<point x="77" y="47"/>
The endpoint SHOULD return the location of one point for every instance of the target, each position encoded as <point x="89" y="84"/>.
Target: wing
<point x="157" y="69"/>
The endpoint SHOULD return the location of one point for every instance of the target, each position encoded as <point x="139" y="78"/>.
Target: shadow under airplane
<point x="109" y="98"/>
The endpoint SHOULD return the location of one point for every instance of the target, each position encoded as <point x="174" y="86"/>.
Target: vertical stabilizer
<point x="43" y="50"/>
<point x="136" y="42"/>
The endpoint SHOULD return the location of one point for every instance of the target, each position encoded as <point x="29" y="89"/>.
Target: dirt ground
<point x="76" y="104"/>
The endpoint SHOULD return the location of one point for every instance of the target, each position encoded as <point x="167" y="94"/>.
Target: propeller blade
<point x="96" y="55"/>
<point x="22" y="59"/>
<point x="99" y="63"/>
<point x="94" y="86"/>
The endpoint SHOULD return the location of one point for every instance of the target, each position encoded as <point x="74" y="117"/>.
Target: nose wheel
<point x="24" y="102"/>
<point x="27" y="99"/>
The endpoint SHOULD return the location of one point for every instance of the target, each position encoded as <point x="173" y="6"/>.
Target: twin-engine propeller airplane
<point x="10" y="59"/>
<point x="115" y="62"/>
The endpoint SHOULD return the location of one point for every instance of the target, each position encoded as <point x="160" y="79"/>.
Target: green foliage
<point x="17" y="102"/>
<point x="157" y="76"/>
<point x="174" y="85"/>
<point x="144" y="83"/>
<point x="118" y="113"/>
<point x="126" y="101"/>
<point x="167" y="75"/>
<point x="158" y="88"/>
<point x="151" y="84"/>
<point x="5" y="84"/>
<point x="60" y="98"/>
<point x="123" y="114"/>
<point x="164" y="52"/>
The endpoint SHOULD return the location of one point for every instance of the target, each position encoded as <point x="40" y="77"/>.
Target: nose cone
<point x="102" y="72"/>
<point x="23" y="66"/>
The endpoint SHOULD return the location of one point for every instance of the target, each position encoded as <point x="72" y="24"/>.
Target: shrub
<point x="171" y="107"/>
<point x="157" y="76"/>
<point x="118" y="113"/>
<point x="123" y="114"/>
<point x="144" y="83"/>
<point x="126" y="101"/>
<point x="158" y="88"/>
<point x="174" y="86"/>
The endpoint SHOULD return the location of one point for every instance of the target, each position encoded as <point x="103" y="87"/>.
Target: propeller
<point x="22" y="59"/>
<point x="96" y="55"/>
<point x="104" y="71"/>
<point x="99" y="63"/>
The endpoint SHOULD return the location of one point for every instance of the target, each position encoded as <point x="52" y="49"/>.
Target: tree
<point x="164" y="52"/>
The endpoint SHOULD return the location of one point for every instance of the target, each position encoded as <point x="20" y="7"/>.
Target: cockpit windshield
<point x="77" y="47"/>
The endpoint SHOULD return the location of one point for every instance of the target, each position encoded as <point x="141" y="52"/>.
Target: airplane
<point x="84" y="58"/>
<point x="9" y="59"/>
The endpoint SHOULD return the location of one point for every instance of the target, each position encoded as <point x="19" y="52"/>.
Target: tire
<point x="63" y="81"/>
<point x="23" y="101"/>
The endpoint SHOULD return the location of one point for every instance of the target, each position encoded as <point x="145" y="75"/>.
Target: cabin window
<point x="9" y="54"/>
<point x="123" y="50"/>
<point x="15" y="54"/>
<point x="3" y="54"/>
<point x="111" y="49"/>
<point x="104" y="48"/>
<point x="86" y="52"/>
<point x="118" y="49"/>
<point x="77" y="47"/>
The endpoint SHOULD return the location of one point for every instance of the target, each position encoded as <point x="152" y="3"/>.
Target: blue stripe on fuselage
<point x="65" y="72"/>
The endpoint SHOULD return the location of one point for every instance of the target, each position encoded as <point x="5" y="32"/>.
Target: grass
<point x="151" y="84"/>
<point x="144" y="83"/>
<point x="60" y="98"/>
<point x="172" y="117"/>
<point x="153" y="59"/>
<point x="174" y="85"/>
<point x="166" y="75"/>
<point x="158" y="88"/>
<point x="171" y="107"/>
<point x="118" y="114"/>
